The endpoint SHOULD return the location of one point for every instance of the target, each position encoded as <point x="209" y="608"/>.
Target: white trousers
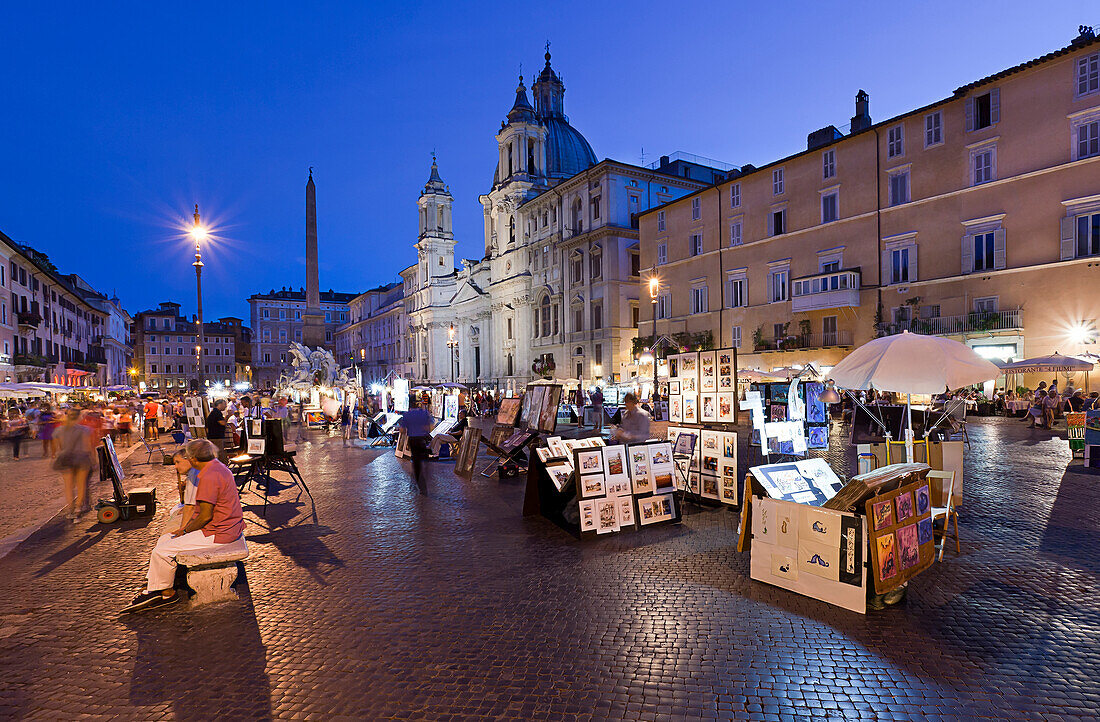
<point x="162" y="560"/>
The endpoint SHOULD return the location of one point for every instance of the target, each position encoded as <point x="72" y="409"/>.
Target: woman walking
<point x="46" y="425"/>
<point x="15" y="430"/>
<point x="74" y="461"/>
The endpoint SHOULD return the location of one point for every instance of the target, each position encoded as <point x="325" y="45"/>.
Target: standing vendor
<point x="635" y="422"/>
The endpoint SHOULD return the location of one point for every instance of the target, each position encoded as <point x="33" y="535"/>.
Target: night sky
<point x="117" y="119"/>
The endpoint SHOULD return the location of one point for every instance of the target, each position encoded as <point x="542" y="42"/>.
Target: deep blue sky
<point x="116" y="119"/>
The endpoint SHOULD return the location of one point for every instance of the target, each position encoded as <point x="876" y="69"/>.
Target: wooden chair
<point x="943" y="505"/>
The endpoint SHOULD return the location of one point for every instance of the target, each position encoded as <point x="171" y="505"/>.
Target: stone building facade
<point x="976" y="217"/>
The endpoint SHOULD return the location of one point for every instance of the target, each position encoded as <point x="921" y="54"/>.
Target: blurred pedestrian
<point x="417" y="423"/>
<point x="74" y="461"/>
<point x="15" y="430"/>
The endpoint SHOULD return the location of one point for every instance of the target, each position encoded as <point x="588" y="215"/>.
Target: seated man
<point x="217" y="521"/>
<point x="452" y="436"/>
<point x="635" y="422"/>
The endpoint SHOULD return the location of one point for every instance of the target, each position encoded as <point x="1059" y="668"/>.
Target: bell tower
<point x="435" y="243"/>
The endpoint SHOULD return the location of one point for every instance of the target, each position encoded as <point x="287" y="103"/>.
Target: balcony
<point x="836" y="289"/>
<point x="28" y="320"/>
<point x="978" y="322"/>
<point x="804" y="341"/>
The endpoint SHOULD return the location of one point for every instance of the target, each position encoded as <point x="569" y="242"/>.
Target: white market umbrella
<point x="912" y="363"/>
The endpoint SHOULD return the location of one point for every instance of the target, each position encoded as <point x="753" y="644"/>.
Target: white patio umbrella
<point x="912" y="363"/>
<point x="1055" y="363"/>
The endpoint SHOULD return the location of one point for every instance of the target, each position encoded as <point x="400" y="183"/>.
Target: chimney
<point x="862" y="119"/>
<point x="664" y="161"/>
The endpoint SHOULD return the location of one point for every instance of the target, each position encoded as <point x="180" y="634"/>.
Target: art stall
<point x="508" y="437"/>
<point x="591" y="489"/>
<point x="702" y="410"/>
<point x="809" y="531"/>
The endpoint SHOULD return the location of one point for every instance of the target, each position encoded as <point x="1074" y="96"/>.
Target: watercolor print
<point x="882" y="514"/>
<point x="592" y="485"/>
<point x="887" y="557"/>
<point x="908" y="551"/>
<point x="905" y="506"/>
<point x="923" y="501"/>
<point x="924" y="531"/>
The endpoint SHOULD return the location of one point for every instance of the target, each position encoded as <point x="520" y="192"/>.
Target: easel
<point x="273" y="458"/>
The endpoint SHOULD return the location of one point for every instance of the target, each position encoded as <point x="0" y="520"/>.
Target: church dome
<point x="567" y="151"/>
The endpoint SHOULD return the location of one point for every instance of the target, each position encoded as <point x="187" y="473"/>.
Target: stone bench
<point x="212" y="573"/>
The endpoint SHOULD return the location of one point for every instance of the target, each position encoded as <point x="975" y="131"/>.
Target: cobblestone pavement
<point x="380" y="604"/>
<point x="32" y="490"/>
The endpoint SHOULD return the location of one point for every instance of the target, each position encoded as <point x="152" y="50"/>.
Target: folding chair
<point x="957" y="411"/>
<point x="151" y="449"/>
<point x="943" y="506"/>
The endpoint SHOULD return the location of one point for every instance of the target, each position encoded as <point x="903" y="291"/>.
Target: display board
<point x="623" y="487"/>
<point x="711" y="470"/>
<point x="466" y="457"/>
<point x="804" y="481"/>
<point x="400" y="395"/>
<point x="866" y="429"/>
<point x="539" y="410"/>
<point x="1075" y="427"/>
<point x="702" y="387"/>
<point x="811" y="551"/>
<point x="508" y="411"/>
<point x="900" y="534"/>
<point x="450" y="406"/>
<point x="196" y="408"/>
<point x="1092" y="427"/>
<point x="112" y="458"/>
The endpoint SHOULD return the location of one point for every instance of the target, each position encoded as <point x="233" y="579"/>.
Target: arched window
<point x="545" y="307"/>
<point x="439" y="223"/>
<point x="577" y="216"/>
<point x="511" y="229"/>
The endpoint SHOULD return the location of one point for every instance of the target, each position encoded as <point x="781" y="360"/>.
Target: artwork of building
<point x="558" y="281"/>
<point x="55" y="328"/>
<point x="166" y="349"/>
<point x="976" y="217"/>
<point x="375" y="338"/>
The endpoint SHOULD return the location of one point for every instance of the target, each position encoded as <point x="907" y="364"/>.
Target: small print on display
<point x="588" y="515"/>
<point x="655" y="508"/>
<point x="887" y="556"/>
<point x="626" y="511"/>
<point x="589" y="462"/>
<point x="607" y="516"/>
<point x="923" y="501"/>
<point x="883" y="514"/>
<point x="591" y="485"/>
<point x="904" y="506"/>
<point x="908" y="551"/>
<point x="559" y="474"/>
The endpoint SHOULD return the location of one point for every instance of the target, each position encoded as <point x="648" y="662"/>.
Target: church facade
<point x="556" y="293"/>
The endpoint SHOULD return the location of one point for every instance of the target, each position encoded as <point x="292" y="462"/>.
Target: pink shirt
<point x="216" y="486"/>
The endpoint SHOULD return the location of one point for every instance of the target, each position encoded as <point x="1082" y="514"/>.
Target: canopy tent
<point x="911" y="363"/>
<point x="1055" y="363"/>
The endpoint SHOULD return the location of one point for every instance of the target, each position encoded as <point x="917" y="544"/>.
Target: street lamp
<point x="133" y="376"/>
<point x="452" y="344"/>
<point x="199" y="234"/>
<point x="654" y="287"/>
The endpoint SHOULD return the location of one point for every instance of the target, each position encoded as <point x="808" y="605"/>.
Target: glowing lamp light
<point x="199" y="233"/>
<point x="1082" y="333"/>
<point x="653" y="286"/>
<point x="646" y="358"/>
<point x="375" y="389"/>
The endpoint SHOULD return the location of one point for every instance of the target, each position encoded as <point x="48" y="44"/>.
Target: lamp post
<point x="199" y="234"/>
<point x="452" y="343"/>
<point x="654" y="286"/>
<point x="133" y="377"/>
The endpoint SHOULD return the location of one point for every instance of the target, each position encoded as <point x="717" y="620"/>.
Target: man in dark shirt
<point x="215" y="429"/>
<point x="417" y="423"/>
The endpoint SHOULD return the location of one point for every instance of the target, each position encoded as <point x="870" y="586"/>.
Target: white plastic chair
<point x="943" y="505"/>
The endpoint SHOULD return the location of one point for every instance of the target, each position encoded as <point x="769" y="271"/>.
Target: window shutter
<point x="885" y="280"/>
<point x="967" y="254"/>
<point x="995" y="106"/>
<point x="1069" y="238"/>
<point x="969" y="114"/>
<point x="999" y="248"/>
<point x="913" y="263"/>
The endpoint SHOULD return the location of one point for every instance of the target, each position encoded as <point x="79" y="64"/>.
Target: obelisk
<point x="313" y="329"/>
